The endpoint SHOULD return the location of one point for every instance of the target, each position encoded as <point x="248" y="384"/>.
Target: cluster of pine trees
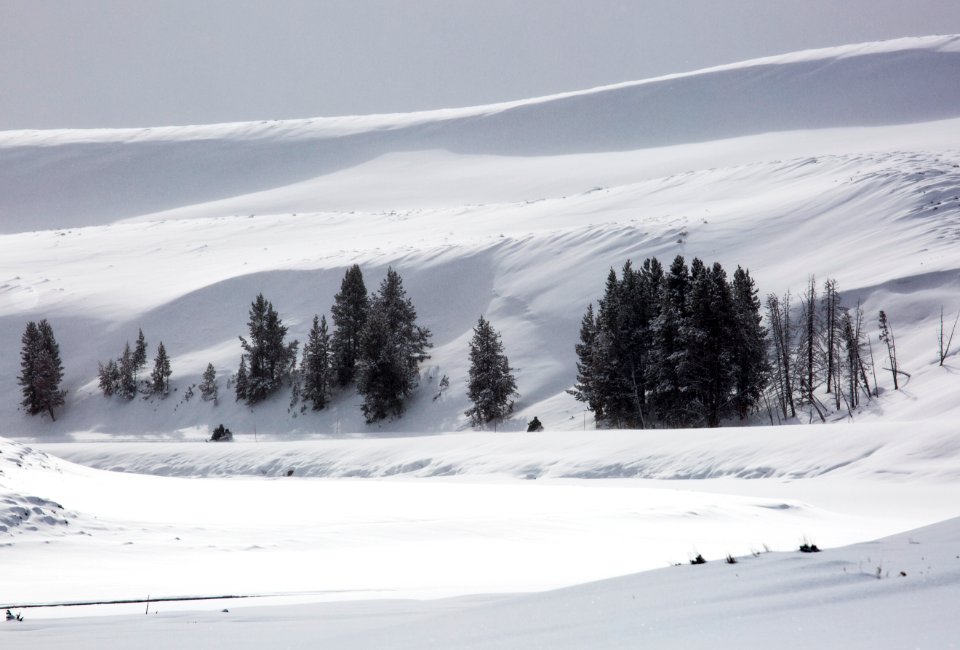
<point x="121" y="376"/>
<point x="680" y="348"/>
<point x="376" y="343"/>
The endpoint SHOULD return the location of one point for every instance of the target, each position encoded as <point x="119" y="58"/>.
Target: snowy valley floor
<point x="402" y="558"/>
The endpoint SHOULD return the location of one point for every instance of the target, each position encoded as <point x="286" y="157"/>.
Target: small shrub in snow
<point x="221" y="434"/>
<point x="731" y="559"/>
<point x="809" y="548"/>
<point x="698" y="560"/>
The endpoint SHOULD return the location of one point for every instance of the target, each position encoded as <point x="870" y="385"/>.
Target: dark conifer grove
<point x="681" y="348"/>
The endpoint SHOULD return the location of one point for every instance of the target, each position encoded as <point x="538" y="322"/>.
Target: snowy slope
<point x="58" y="179"/>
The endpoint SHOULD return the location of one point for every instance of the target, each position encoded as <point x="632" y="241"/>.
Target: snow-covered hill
<point x="840" y="163"/>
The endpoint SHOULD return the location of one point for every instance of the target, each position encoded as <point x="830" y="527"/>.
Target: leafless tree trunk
<point x="886" y="335"/>
<point x="778" y="314"/>
<point x="945" y="349"/>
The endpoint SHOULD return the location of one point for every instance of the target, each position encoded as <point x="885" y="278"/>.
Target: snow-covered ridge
<point x="105" y="175"/>
<point x="347" y="125"/>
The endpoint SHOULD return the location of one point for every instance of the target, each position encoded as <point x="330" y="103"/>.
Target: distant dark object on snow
<point x="698" y="560"/>
<point x="221" y="434"/>
<point x="809" y="548"/>
<point x="534" y="425"/>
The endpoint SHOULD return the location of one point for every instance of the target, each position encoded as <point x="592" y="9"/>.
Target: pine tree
<point x="29" y="352"/>
<point x="208" y="384"/>
<point x="586" y="389"/>
<point x="243" y="379"/>
<point x="315" y="366"/>
<point x="491" y="386"/>
<point x="750" y="366"/>
<point x="707" y="369"/>
<point x="109" y="377"/>
<point x="140" y="353"/>
<point x="270" y="358"/>
<point x="126" y="380"/>
<point x="392" y="346"/>
<point x="41" y="370"/>
<point x="349" y="313"/>
<point x="609" y="354"/>
<point x="160" y="377"/>
<point x="670" y="347"/>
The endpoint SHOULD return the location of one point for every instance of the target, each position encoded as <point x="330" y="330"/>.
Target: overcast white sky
<point x="83" y="63"/>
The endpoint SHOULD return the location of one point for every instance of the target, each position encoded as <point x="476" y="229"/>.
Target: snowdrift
<point x="924" y="451"/>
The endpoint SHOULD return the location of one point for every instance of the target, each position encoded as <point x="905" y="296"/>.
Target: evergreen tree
<point x="140" y="353"/>
<point x="349" y="313"/>
<point x="109" y="377"/>
<point x="41" y="370"/>
<point x="586" y="389"/>
<point x="610" y="350"/>
<point x="750" y="366"/>
<point x="392" y="346"/>
<point x="491" y="386"/>
<point x="243" y="379"/>
<point x="126" y="379"/>
<point x="29" y="353"/>
<point x="709" y="372"/>
<point x="270" y="358"/>
<point x="160" y="377"/>
<point x="208" y="384"/>
<point x="315" y="366"/>
<point x="669" y="359"/>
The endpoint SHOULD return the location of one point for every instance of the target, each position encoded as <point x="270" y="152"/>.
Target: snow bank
<point x="923" y="451"/>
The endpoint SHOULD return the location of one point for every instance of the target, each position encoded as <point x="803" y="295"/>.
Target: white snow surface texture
<point x="841" y="163"/>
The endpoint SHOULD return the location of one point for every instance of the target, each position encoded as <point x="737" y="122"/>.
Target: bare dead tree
<point x="831" y="322"/>
<point x="944" y="349"/>
<point x="778" y="314"/>
<point x="886" y="336"/>
<point x="807" y="349"/>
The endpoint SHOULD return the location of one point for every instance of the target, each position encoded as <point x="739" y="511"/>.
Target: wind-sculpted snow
<point x="25" y="513"/>
<point x="64" y="179"/>
<point x="866" y="451"/>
